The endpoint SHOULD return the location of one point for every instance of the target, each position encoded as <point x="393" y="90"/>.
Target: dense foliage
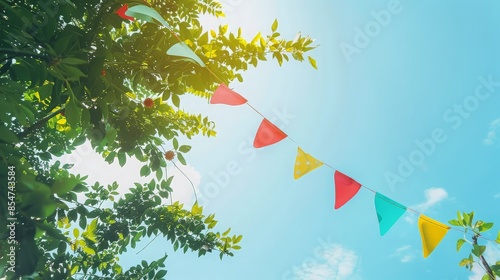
<point x="73" y="72"/>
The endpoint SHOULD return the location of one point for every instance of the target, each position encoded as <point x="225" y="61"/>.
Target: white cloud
<point x="404" y="254"/>
<point x="432" y="197"/>
<point x="409" y="219"/>
<point x="331" y="262"/>
<point x="402" y="249"/>
<point x="491" y="255"/>
<point x="88" y="162"/>
<point x="407" y="258"/>
<point x="492" y="133"/>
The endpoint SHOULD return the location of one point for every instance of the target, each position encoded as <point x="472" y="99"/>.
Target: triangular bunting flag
<point x="224" y="95"/>
<point x="388" y="212"/>
<point x="146" y="13"/>
<point x="345" y="189"/>
<point x="431" y="232"/>
<point x="181" y="49"/>
<point x="267" y="134"/>
<point x="122" y="12"/>
<point x="304" y="163"/>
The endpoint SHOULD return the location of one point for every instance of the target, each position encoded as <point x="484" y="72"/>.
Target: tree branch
<point x="483" y="260"/>
<point x="38" y="124"/>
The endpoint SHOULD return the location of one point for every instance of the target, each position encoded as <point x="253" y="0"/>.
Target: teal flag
<point x="146" y="13"/>
<point x="388" y="212"/>
<point x="181" y="49"/>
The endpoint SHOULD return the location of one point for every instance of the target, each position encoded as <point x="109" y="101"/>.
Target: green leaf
<point x="88" y="250"/>
<point x="485" y="227"/>
<point x="111" y="157"/>
<point x="274" y="27"/>
<point x="467" y="219"/>
<point x="117" y="269"/>
<point x="7" y="136"/>
<point x="454" y="223"/>
<point x="459" y="217"/>
<point x="498" y="237"/>
<point x="180" y="157"/>
<point x="160" y="274"/>
<point x="73" y="61"/>
<point x="82" y="222"/>
<point x="226" y="232"/>
<point x="471" y="218"/>
<point x="122" y="158"/>
<point x="312" y="61"/>
<point x="93" y="226"/>
<point x="76" y="232"/>
<point x="71" y="72"/>
<point x="64" y="185"/>
<point x="486" y="277"/>
<point x="74" y="269"/>
<point x="478" y="250"/>
<point x="176" y="100"/>
<point x="196" y="209"/>
<point x="175" y="143"/>
<point x="464" y="262"/>
<point x="238" y="239"/>
<point x="145" y="171"/>
<point x="185" y="148"/>
<point x="72" y="114"/>
<point x="56" y="150"/>
<point x="460" y="242"/>
<point x="496" y="268"/>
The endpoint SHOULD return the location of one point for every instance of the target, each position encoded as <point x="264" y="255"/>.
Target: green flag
<point x="388" y="212"/>
<point x="181" y="49"/>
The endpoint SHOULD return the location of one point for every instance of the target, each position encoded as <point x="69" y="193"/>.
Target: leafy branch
<point x="466" y="221"/>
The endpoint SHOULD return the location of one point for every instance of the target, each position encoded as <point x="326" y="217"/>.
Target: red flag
<point x="224" y="95"/>
<point x="267" y="134"/>
<point x="121" y="12"/>
<point x="345" y="189"/>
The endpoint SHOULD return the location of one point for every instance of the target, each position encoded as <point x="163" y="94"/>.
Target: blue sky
<point x="427" y="69"/>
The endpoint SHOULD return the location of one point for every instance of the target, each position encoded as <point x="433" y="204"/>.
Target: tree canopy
<point x="73" y="72"/>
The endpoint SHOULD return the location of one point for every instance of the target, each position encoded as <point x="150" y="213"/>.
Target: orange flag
<point x="431" y="233"/>
<point x="304" y="163"/>
<point x="267" y="134"/>
<point x="224" y="95"/>
<point x="345" y="189"/>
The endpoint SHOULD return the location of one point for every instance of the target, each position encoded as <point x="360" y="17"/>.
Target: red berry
<point x="169" y="155"/>
<point x="103" y="72"/>
<point x="149" y="103"/>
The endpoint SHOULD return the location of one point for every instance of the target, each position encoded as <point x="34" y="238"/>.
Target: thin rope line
<point x="147" y="244"/>
<point x="192" y="185"/>
<point x="248" y="104"/>
<point x="396" y="204"/>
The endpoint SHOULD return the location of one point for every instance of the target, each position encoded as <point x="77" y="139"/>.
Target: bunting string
<point x="388" y="211"/>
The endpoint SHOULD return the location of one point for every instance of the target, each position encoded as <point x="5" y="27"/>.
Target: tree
<point x="466" y="221"/>
<point x="74" y="71"/>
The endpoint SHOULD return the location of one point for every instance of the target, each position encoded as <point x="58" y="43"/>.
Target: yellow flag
<point x="431" y="232"/>
<point x="304" y="163"/>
